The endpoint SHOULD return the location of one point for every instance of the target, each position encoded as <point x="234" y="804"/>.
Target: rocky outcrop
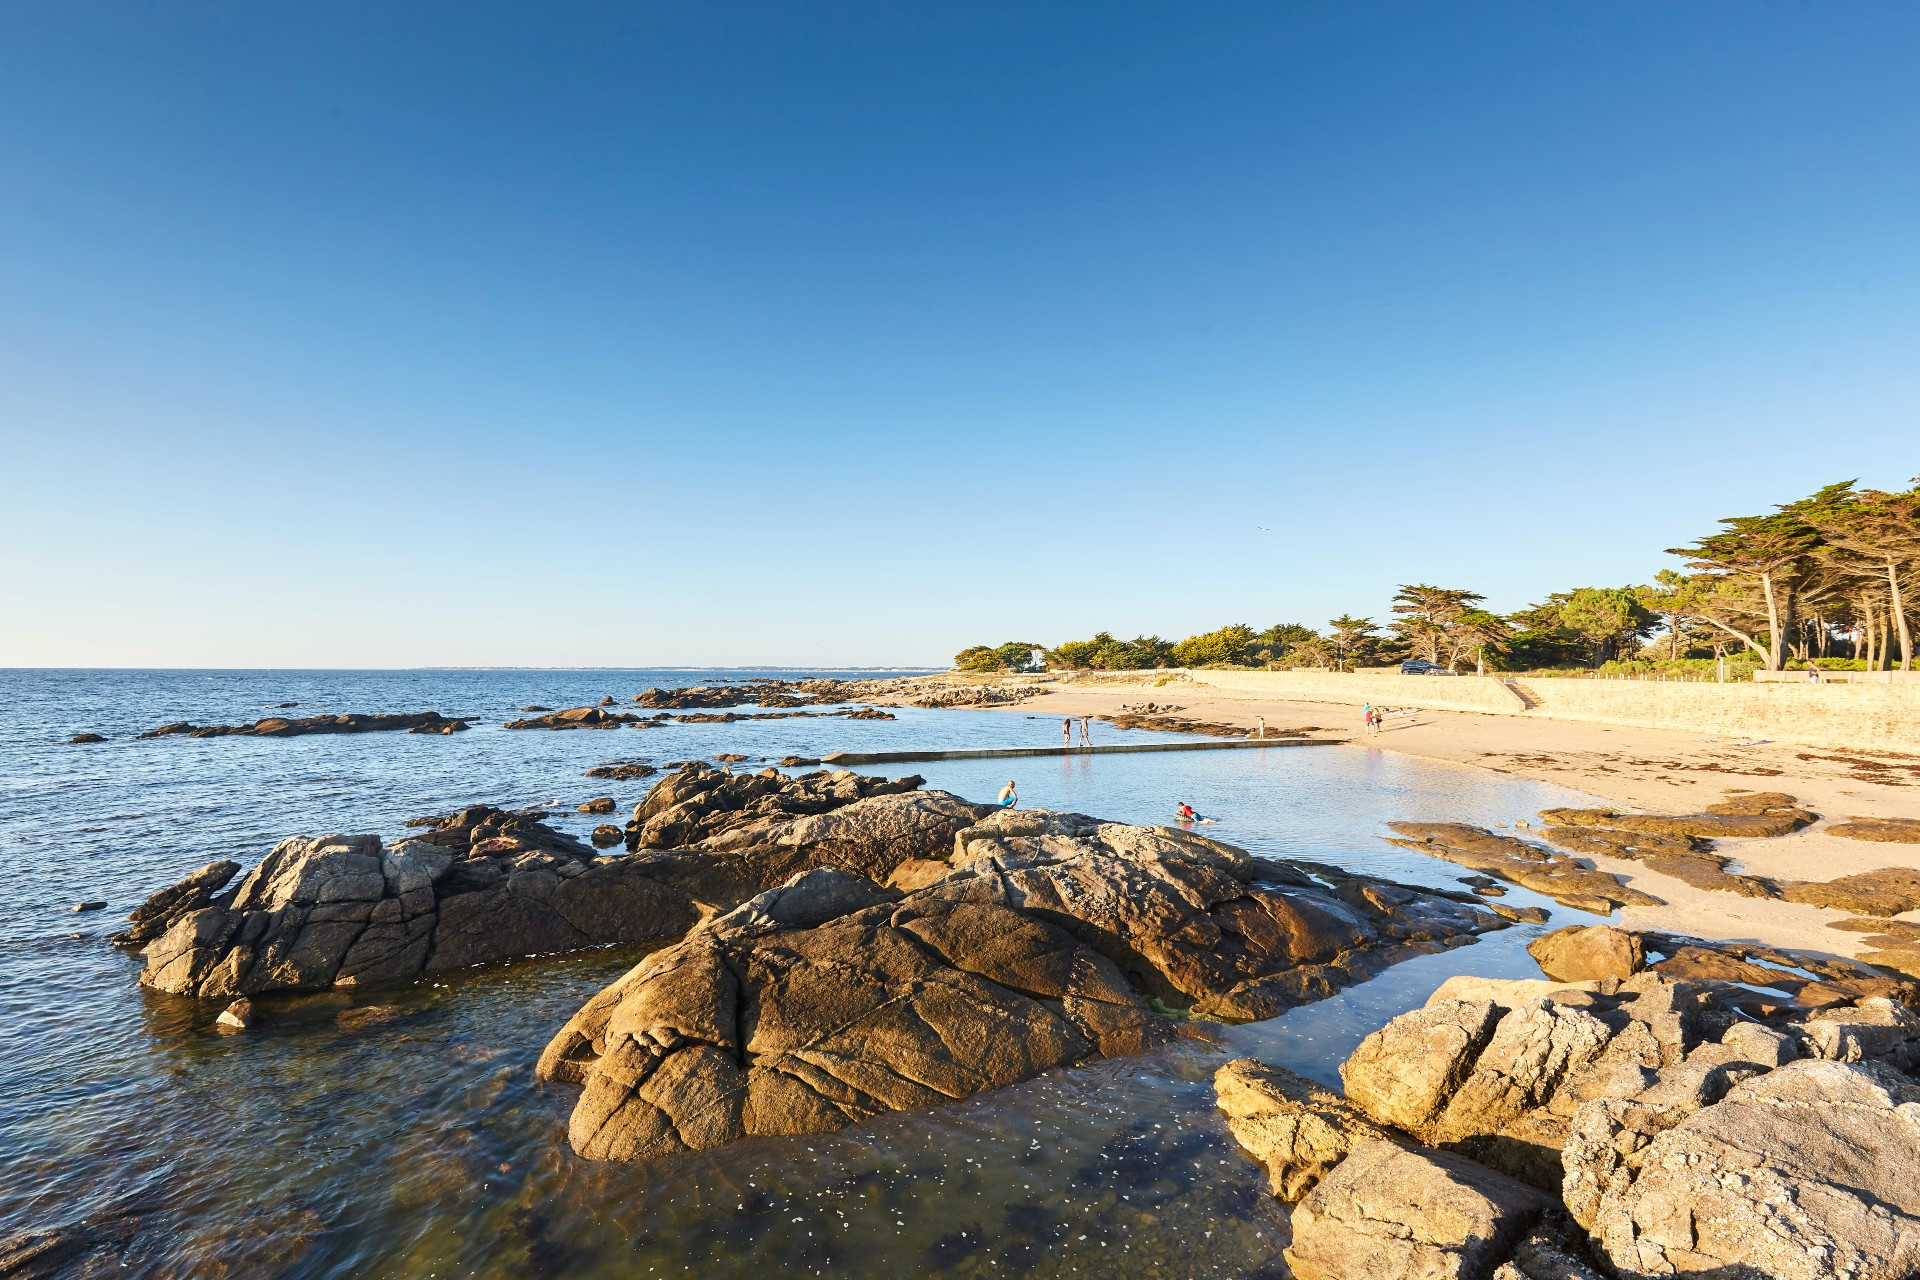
<point x="1391" y="1213"/>
<point x="580" y="718"/>
<point x="1888" y="830"/>
<point x="1763" y="813"/>
<point x="1895" y="944"/>
<point x="1583" y="953"/>
<point x="832" y="999"/>
<point x="1650" y="1125"/>
<point x="486" y="884"/>
<point x="1295" y="1129"/>
<point x="160" y="912"/>
<point x="622" y="770"/>
<point x="1198" y="923"/>
<point x="697" y="802"/>
<point x="1884" y="891"/>
<point x="599" y="804"/>
<point x="1803" y="1173"/>
<point x="277" y="727"/>
<point x="824" y="1002"/>
<point x="1565" y="880"/>
<point x="476" y="886"/>
<point x="81" y="739"/>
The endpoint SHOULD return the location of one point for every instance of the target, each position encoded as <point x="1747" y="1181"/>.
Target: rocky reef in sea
<point x="1637" y="1124"/>
<point x="1046" y="939"/>
<point x="280" y="727"/>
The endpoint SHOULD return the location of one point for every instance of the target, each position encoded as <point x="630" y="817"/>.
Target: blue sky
<point x="351" y="334"/>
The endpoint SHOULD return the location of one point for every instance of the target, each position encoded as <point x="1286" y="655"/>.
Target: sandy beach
<point x="1646" y="769"/>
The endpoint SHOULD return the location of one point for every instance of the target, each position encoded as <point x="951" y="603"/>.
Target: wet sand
<point x="1647" y="769"/>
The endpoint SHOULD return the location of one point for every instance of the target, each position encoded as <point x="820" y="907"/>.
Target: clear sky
<point x="341" y="334"/>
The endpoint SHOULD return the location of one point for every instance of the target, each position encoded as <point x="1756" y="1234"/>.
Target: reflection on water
<point x="418" y="1143"/>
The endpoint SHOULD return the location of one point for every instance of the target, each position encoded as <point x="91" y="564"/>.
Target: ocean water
<point x="422" y="1145"/>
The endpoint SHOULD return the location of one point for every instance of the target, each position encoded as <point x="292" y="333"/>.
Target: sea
<point x="422" y="1145"/>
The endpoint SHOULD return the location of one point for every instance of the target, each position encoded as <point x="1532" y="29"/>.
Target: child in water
<point x="1189" y="814"/>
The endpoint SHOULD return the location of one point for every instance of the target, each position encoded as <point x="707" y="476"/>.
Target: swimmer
<point x="1009" y="796"/>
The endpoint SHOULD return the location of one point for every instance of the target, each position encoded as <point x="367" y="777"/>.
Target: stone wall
<point x="1837" y="716"/>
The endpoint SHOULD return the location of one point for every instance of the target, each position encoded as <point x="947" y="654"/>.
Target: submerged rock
<point x="1037" y="948"/>
<point x="80" y="739"/>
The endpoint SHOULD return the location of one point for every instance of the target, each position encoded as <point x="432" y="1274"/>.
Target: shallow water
<point x="421" y="1145"/>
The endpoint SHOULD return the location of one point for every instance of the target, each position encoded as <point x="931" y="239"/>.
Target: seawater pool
<point x="422" y="1146"/>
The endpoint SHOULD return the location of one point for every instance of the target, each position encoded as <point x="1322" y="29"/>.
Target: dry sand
<point x="1648" y="769"/>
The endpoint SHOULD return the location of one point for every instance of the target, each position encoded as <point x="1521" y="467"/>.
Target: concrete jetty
<point x="1124" y="748"/>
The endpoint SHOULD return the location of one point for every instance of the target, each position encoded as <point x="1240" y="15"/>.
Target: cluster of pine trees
<point x="1830" y="576"/>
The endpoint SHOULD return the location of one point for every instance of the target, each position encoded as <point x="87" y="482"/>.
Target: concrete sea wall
<point x="1863" y="717"/>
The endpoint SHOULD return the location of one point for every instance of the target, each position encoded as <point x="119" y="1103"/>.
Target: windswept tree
<point x="1104" y="653"/>
<point x="1879" y="533"/>
<point x="1350" y="637"/>
<point x="1746" y="575"/>
<point x="1671" y="596"/>
<point x="1444" y="626"/>
<point x="1014" y="655"/>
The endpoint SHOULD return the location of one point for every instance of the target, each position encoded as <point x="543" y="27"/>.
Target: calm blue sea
<point x="423" y="1146"/>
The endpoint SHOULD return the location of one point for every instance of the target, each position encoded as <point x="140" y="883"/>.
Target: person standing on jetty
<point x="1009" y="796"/>
<point x="1066" y="732"/>
<point x="1086" y="738"/>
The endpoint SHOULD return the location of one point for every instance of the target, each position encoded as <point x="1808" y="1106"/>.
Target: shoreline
<point x="1656" y="770"/>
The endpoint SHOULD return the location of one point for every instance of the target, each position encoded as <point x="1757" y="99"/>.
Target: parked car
<point x="1419" y="667"/>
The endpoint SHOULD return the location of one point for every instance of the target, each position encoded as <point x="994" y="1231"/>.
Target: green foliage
<point x="1589" y="625"/>
<point x="1227" y="646"/>
<point x="1104" y="653"/>
<point x="1014" y="655"/>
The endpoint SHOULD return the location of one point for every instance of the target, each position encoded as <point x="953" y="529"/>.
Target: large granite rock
<point x="1036" y="950"/>
<point x="1583" y="953"/>
<point x="479" y="885"/>
<point x="1805" y="1173"/>
<point x="486" y="884"/>
<point x="697" y="802"/>
<point x="787" y="1017"/>
<point x="1388" y="1212"/>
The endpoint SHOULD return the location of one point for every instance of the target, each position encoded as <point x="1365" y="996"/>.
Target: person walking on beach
<point x="1813" y="672"/>
<point x="1009" y="796"/>
<point x="1261" y="732"/>
<point x="1066" y="732"/>
<point x="1086" y="739"/>
<point x="1372" y="719"/>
